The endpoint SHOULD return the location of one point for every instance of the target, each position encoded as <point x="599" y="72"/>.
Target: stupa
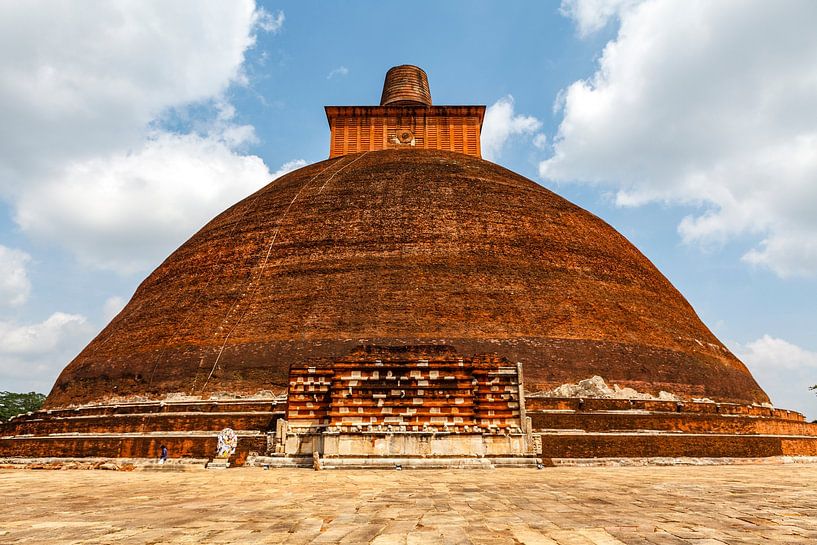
<point x="407" y="300"/>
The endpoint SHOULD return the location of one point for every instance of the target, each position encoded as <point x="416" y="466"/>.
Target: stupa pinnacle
<point x="405" y="119"/>
<point x="406" y="85"/>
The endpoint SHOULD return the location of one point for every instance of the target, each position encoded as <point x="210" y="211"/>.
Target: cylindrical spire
<point x="406" y="85"/>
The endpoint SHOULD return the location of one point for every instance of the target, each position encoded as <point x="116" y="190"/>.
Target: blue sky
<point x="691" y="127"/>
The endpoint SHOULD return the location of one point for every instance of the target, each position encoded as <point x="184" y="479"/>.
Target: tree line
<point x="12" y="403"/>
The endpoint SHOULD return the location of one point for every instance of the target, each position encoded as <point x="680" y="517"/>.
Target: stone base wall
<point x="407" y="444"/>
<point x="548" y="404"/>
<point x="669" y="422"/>
<point x="189" y="429"/>
<point x="178" y="446"/>
<point x="611" y="445"/>
<point x="129" y="423"/>
<point x="565" y="428"/>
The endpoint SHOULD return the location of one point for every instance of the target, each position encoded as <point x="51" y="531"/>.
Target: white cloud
<point x="15" y="286"/>
<point x="269" y="22"/>
<point x="540" y="141"/>
<point x="113" y="305"/>
<point x="126" y="211"/>
<point x="708" y="104"/>
<point x="501" y="123"/>
<point x="341" y="71"/>
<point x="784" y="370"/>
<point x="793" y="253"/>
<point x="101" y="74"/>
<point x="289" y="166"/>
<point x="593" y="15"/>
<point x="38" y="338"/>
<point x="32" y="355"/>
<point x="84" y="163"/>
<point x="770" y="352"/>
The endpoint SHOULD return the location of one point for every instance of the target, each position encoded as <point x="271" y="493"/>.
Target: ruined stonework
<point x="406" y="387"/>
<point x="413" y="401"/>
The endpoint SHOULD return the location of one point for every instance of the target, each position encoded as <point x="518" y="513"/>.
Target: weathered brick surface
<point x="403" y="247"/>
<point x="678" y="445"/>
<point x="154" y="407"/>
<point x="141" y="423"/>
<point x="372" y="128"/>
<point x="185" y="446"/>
<point x="687" y="423"/>
<point x="694" y="407"/>
<point x="409" y="387"/>
<point x="189" y="429"/>
<point x="406" y="84"/>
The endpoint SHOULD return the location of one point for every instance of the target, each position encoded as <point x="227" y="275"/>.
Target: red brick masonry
<point x="403" y="247"/>
<point x="569" y="428"/>
<point x="407" y="387"/>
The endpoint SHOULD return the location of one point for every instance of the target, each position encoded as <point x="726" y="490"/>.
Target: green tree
<point x="12" y="404"/>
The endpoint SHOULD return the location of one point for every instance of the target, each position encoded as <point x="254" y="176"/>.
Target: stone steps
<point x="115" y="464"/>
<point x="156" y="407"/>
<point x="624" y="421"/>
<point x="141" y="422"/>
<point x="133" y="445"/>
<point x="172" y="466"/>
<point x="580" y="445"/>
<point x="592" y="405"/>
<point x="395" y="462"/>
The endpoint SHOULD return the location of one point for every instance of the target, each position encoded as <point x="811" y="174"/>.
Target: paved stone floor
<point x="717" y="505"/>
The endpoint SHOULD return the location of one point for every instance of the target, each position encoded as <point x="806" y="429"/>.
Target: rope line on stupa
<point x="192" y="307"/>
<point x="235" y="304"/>
<point x="264" y="264"/>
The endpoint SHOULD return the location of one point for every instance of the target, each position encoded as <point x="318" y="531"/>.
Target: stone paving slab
<point x="714" y="505"/>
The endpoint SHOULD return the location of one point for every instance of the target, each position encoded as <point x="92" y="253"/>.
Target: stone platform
<point x="189" y="429"/>
<point x="592" y="428"/>
<point x="722" y="505"/>
<point x="568" y="428"/>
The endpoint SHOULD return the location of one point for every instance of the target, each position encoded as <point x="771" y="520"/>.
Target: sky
<point x="691" y="127"/>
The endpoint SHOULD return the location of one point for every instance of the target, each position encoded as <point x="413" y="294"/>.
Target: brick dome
<point x="403" y="247"/>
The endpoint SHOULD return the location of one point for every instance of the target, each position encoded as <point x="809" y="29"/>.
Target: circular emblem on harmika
<point x="405" y="136"/>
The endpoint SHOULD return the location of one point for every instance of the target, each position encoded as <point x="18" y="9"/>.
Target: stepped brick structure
<point x="405" y="258"/>
<point x="397" y="401"/>
<point x="375" y="387"/>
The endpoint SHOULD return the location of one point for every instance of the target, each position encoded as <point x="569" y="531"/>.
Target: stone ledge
<point x="393" y="462"/>
<point x="682" y="461"/>
<point x="673" y="445"/>
<point x="116" y="464"/>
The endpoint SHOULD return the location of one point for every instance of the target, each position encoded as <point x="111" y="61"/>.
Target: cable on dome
<point x="265" y="261"/>
<point x="160" y="357"/>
